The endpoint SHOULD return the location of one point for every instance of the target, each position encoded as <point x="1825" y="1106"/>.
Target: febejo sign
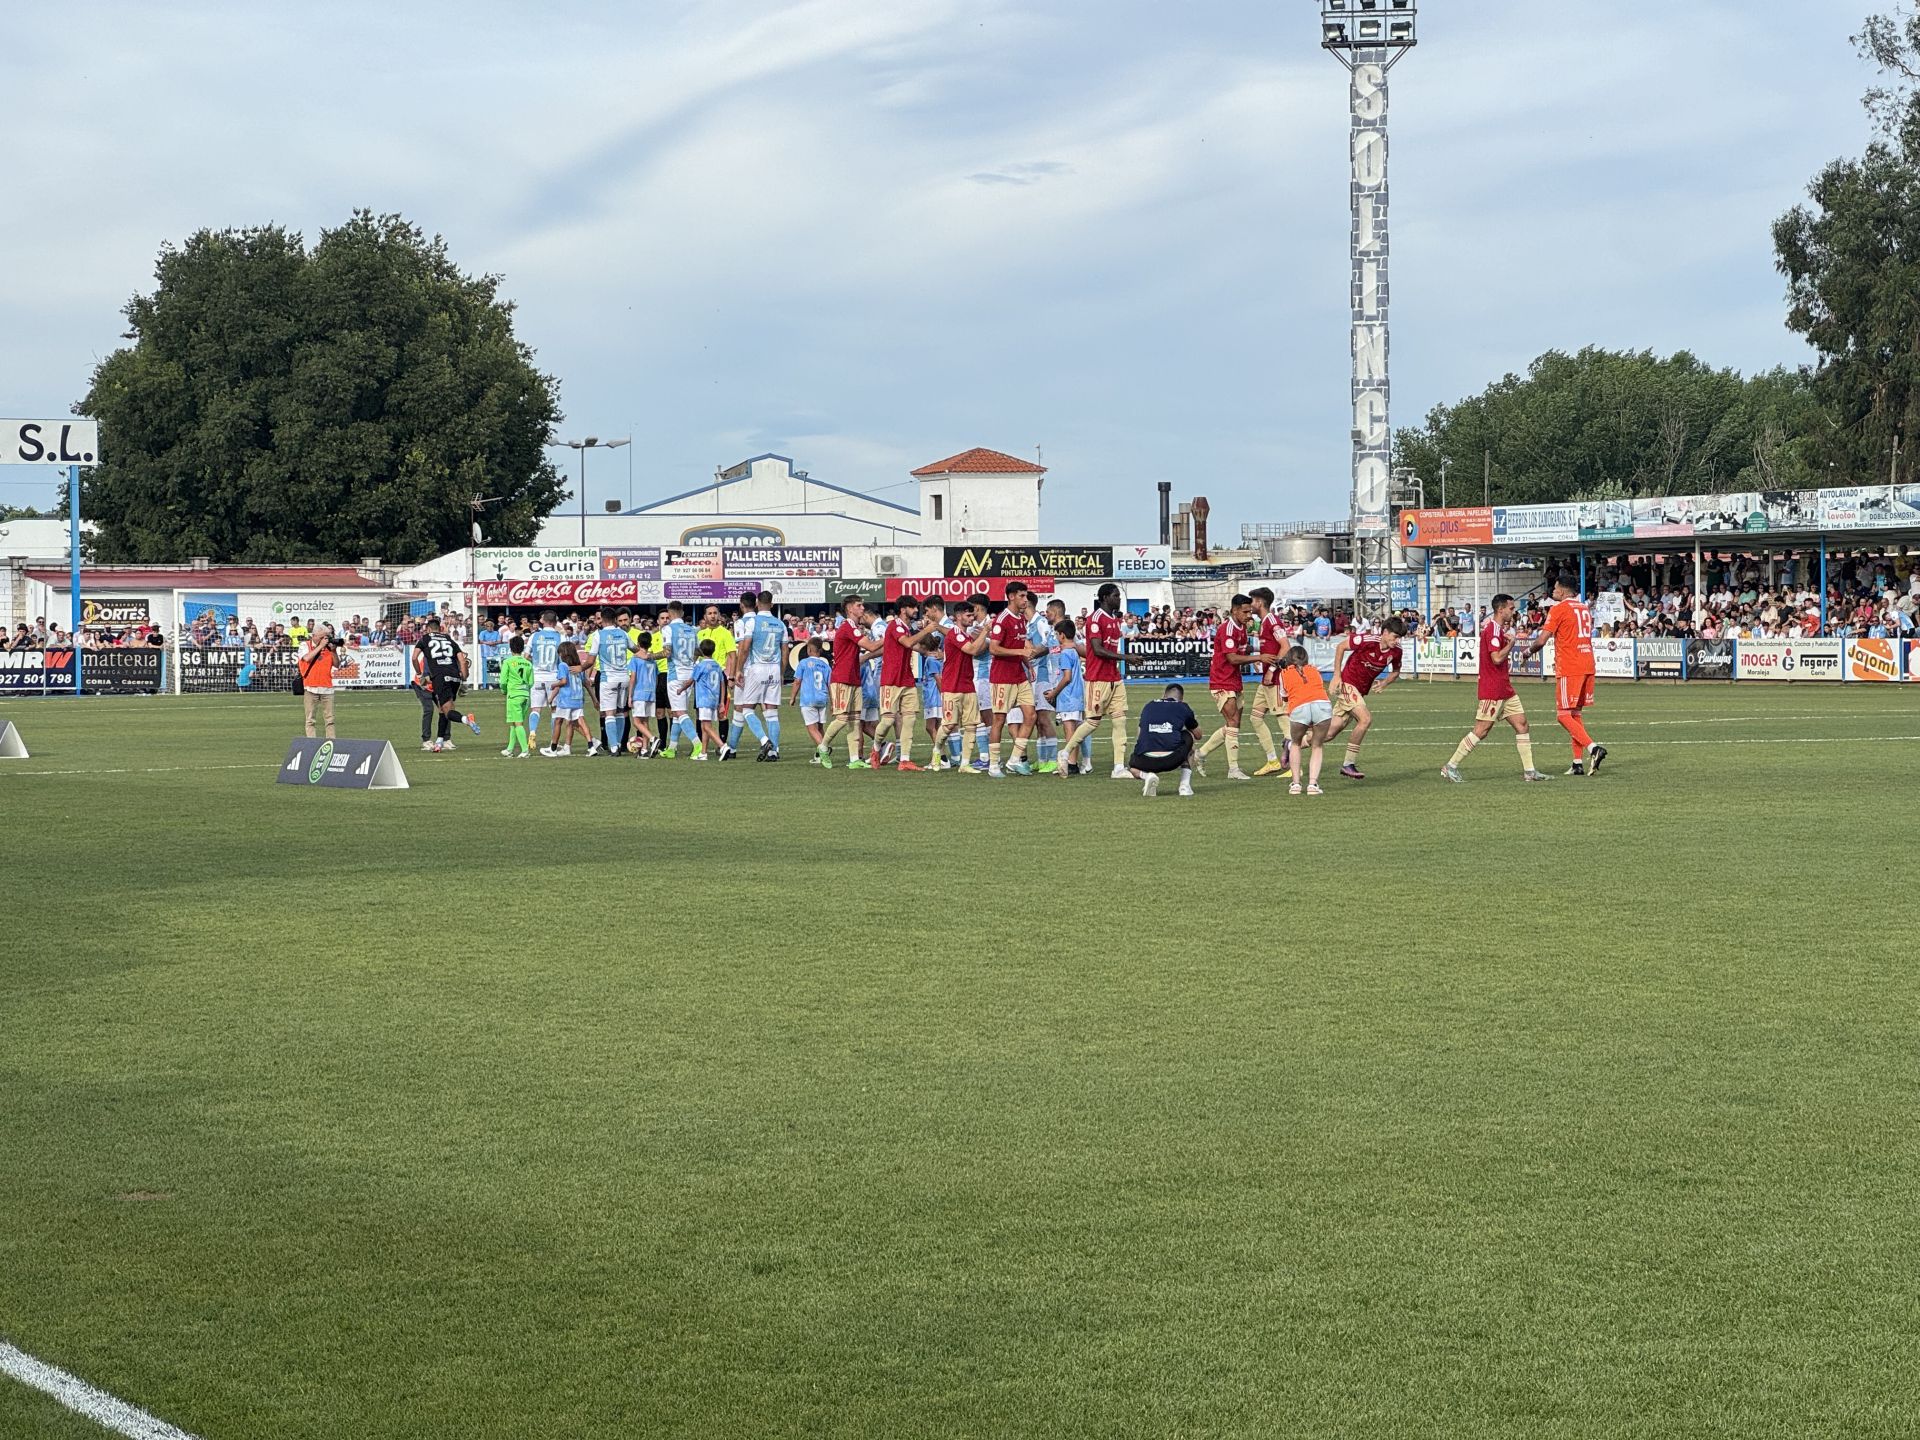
<point x="1062" y="562"/>
<point x="342" y="765"/>
<point x="12" y="747"/>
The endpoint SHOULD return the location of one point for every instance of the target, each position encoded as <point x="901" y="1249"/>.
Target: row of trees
<point x="285" y="404"/>
<point x="1604" y="424"/>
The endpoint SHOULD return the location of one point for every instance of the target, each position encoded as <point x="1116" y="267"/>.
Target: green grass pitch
<point x="613" y="1100"/>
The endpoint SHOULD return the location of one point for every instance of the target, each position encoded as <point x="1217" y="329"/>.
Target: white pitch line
<point x="1758" y="740"/>
<point x="146" y="770"/>
<point x="81" y="1398"/>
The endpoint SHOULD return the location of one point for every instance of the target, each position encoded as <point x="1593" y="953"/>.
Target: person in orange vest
<point x="316" y="676"/>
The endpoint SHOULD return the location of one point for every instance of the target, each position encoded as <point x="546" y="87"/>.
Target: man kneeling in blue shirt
<point x="1168" y="730"/>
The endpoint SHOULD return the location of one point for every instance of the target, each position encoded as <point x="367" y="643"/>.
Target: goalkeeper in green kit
<point x="516" y="679"/>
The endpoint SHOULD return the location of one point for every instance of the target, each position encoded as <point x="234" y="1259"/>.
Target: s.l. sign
<point x="49" y="442"/>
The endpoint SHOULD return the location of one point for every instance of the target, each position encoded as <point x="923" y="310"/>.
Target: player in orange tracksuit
<point x="1570" y="627"/>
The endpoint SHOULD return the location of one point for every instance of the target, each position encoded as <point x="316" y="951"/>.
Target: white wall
<point x="981" y="509"/>
<point x="769" y="496"/>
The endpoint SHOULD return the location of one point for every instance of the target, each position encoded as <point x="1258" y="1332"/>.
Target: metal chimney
<point x="1166" y="512"/>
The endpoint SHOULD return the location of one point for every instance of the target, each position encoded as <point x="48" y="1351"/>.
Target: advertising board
<point x="1787" y="660"/>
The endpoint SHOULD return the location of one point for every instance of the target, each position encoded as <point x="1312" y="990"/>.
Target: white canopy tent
<point x="1316" y="581"/>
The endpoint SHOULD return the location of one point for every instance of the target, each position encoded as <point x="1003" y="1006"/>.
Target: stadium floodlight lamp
<point x="1348" y="27"/>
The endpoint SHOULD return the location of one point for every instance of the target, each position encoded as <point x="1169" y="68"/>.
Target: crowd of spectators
<point x="1865" y="599"/>
<point x="1745" y="598"/>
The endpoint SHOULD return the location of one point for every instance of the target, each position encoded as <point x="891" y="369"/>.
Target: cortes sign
<point x="1063" y="562"/>
<point x="113" y="612"/>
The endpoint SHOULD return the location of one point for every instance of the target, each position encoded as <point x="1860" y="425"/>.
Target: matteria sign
<point x="49" y="442"/>
<point x="343" y="765"/>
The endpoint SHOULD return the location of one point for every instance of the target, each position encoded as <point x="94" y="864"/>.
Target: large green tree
<point x="281" y="404"/>
<point x="1852" y="262"/>
<point x="1604" y="423"/>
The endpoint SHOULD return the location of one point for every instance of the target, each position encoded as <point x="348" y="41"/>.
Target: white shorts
<point x="544" y="684"/>
<point x="707" y="713"/>
<point x="871" y="717"/>
<point x="759" y="685"/>
<point x="983" y="692"/>
<point x="1015" y="716"/>
<point x="1314" y="712"/>
<point x="1068" y="717"/>
<point x="615" y="691"/>
<point x="573" y="714"/>
<point x="813" y="714"/>
<point x="643" y="709"/>
<point x="676" y="697"/>
<point x="1040" y="701"/>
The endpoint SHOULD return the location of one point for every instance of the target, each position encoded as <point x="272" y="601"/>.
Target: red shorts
<point x="1576" y="692"/>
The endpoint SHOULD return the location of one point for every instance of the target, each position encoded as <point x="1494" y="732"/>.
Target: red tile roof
<point x="981" y="462"/>
<point x="220" y="577"/>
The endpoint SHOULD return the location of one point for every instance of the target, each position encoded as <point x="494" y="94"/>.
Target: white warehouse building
<point x="979" y="496"/>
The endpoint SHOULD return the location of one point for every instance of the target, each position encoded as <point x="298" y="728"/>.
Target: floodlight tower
<point x="1369" y="37"/>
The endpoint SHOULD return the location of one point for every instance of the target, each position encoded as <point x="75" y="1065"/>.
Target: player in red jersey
<point x="1230" y="653"/>
<point x="1497" y="700"/>
<point x="899" y="684"/>
<point x="1359" y="665"/>
<point x="1011" y="675"/>
<point x="1103" y="648"/>
<point x="1570" y="627"/>
<point x="1274" y="640"/>
<point x="851" y="643"/>
<point x="959" y="700"/>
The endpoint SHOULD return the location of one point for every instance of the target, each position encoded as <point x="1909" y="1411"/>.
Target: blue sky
<point x="869" y="233"/>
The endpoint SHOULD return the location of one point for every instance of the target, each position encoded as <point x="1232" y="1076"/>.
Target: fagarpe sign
<point x="1062" y="562"/>
<point x="49" y="442"/>
<point x="1787" y="660"/>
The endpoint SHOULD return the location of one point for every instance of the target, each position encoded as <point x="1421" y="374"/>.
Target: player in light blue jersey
<point x="1040" y="635"/>
<point x="613" y="665"/>
<point x="812" y="678"/>
<point x="708" y="682"/>
<point x="641" y="675"/>
<point x="763" y="641"/>
<point x="870" y="688"/>
<point x="1068" y="694"/>
<point x="983" y="694"/>
<point x="543" y="649"/>
<point x="683" y="653"/>
<point x="932" y="662"/>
